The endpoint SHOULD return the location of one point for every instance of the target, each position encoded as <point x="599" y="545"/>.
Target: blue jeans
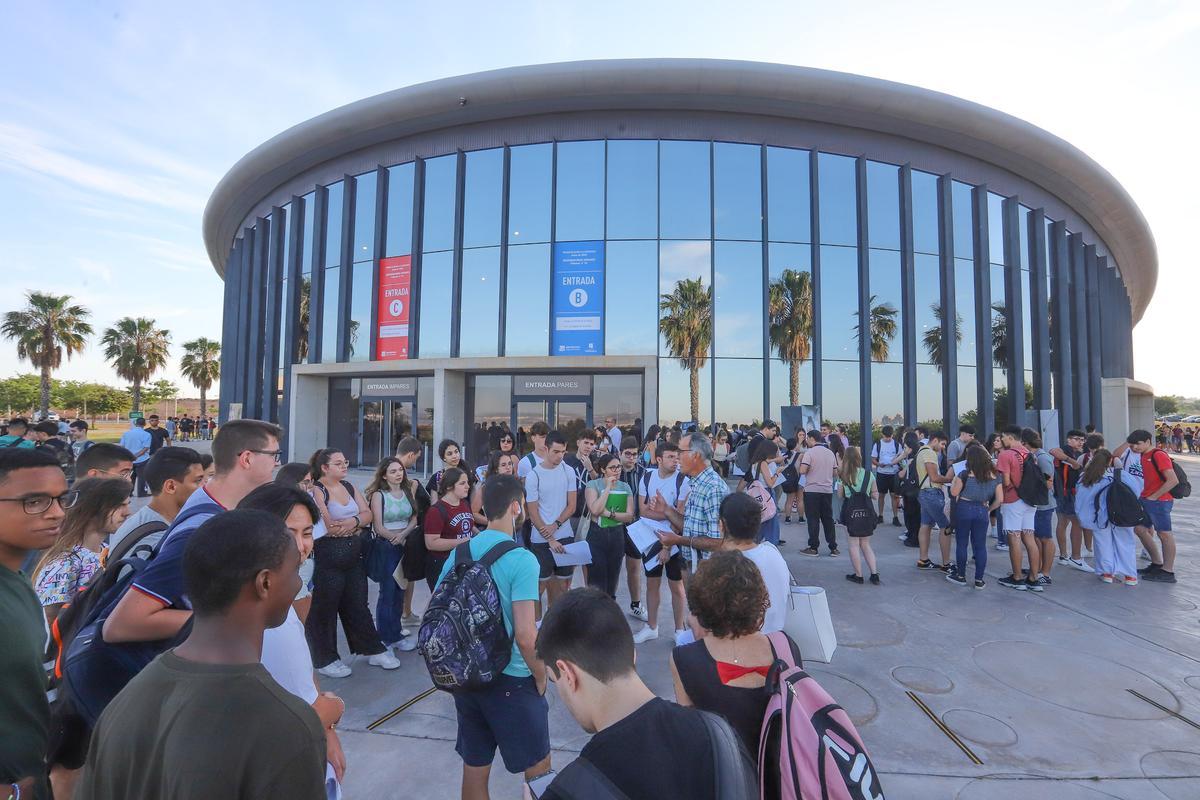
<point x="389" y="608"/>
<point x="769" y="531"/>
<point x="971" y="527"/>
<point x="933" y="508"/>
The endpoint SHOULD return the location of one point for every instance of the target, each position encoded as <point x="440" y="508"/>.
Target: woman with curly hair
<point x="724" y="671"/>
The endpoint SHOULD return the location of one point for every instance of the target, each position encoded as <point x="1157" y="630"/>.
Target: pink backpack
<point x="758" y="489"/>
<point x="820" y="756"/>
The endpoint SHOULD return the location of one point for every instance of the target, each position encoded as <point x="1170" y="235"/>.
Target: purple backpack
<point x="820" y="755"/>
<point x="462" y="634"/>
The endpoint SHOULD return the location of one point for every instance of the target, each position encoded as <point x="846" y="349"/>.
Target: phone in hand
<point x="535" y="788"/>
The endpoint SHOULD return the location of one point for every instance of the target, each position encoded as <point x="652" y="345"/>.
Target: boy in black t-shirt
<point x="587" y="648"/>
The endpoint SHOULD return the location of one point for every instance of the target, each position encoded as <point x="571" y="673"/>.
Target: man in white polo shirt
<point x="666" y="485"/>
<point x="550" y="491"/>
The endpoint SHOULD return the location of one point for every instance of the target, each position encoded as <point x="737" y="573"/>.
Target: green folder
<point x="616" y="504"/>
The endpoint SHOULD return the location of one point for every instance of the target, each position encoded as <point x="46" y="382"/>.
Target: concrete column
<point x="449" y="405"/>
<point x="309" y="416"/>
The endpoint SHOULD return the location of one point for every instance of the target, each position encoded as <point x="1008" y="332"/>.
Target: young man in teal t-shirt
<point x="510" y="713"/>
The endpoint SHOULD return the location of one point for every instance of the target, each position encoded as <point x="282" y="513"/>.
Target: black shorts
<point x="885" y="483"/>
<point x="675" y="565"/>
<point x="631" y="550"/>
<point x="547" y="569"/>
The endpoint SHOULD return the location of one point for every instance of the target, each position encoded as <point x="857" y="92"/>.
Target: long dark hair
<point x="320" y="459"/>
<point x="98" y="498"/>
<point x="379" y="481"/>
<point x="979" y="463"/>
<point x="1096" y="466"/>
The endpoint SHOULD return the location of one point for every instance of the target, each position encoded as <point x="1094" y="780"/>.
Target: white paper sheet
<point x="653" y="562"/>
<point x="576" y="554"/>
<point x="960" y="467"/>
<point x="644" y="534"/>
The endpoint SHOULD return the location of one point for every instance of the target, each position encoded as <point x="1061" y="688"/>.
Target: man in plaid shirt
<point x="699" y="522"/>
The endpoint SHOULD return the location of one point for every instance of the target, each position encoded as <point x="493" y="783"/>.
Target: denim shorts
<point x="1066" y="506"/>
<point x="1042" y="527"/>
<point x="1159" y="512"/>
<point x="933" y="508"/>
<point x="507" y="713"/>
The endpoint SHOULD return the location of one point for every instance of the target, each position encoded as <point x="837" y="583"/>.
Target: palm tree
<point x="1000" y="335"/>
<point x="302" y="320"/>
<point x="686" y="324"/>
<point x="883" y="328"/>
<point x="48" y="328"/>
<point x="790" y="323"/>
<point x="136" y="350"/>
<point x="201" y="364"/>
<point x="932" y="338"/>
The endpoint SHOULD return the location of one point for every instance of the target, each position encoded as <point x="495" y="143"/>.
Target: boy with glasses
<point x="33" y="496"/>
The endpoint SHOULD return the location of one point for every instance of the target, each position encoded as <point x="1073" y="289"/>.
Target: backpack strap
<point x="582" y="779"/>
<point x="184" y="516"/>
<point x="679" y="476"/>
<point x="134" y="536"/>
<point x="785" y="649"/>
<point x="495" y="553"/>
<point x="1161" y="477"/>
<point x="734" y="774"/>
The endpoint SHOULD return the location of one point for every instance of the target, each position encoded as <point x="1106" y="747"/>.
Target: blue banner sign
<point x="578" y="302"/>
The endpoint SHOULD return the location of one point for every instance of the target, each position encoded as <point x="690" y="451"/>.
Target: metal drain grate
<point x="951" y="735"/>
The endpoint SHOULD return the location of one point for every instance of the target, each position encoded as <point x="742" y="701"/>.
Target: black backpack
<point x="1032" y="489"/>
<point x="140" y="541"/>
<point x="462" y="636"/>
<point x="679" y="476"/>
<point x="1179" y="490"/>
<point x="1124" y="508"/>
<point x="910" y="485"/>
<point x="858" y="515"/>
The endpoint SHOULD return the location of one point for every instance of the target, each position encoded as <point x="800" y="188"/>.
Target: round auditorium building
<point x="673" y="240"/>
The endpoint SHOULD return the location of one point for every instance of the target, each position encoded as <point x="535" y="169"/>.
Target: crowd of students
<point x="215" y="607"/>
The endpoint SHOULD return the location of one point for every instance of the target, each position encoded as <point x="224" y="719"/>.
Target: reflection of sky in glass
<point x="1026" y="319"/>
<point x="883" y="205"/>
<point x="684" y="209"/>
<point x="738" y="190"/>
<point x="333" y="223"/>
<point x="364" y="216"/>
<point x="929" y="393"/>
<point x="839" y="302"/>
<point x="788" y="199"/>
<point x="885" y="287"/>
<point x="679" y="261"/>
<point x="738" y="390"/>
<point x="964" y="301"/>
<point x="437" y="274"/>
<point x="329" y="315"/>
<point x="782" y="257"/>
<point x="838" y="207"/>
<point x="1000" y="380"/>
<point x="674" y="394"/>
<point x="925" y="212"/>
<point x="399" y="211"/>
<point x="526" y="321"/>
<point x="617" y="396"/>
<point x="361" y="301"/>
<point x="995" y="209"/>
<point x="968" y="389"/>
<point x="738" y="298"/>
<point x="479" y="319"/>
<point x="840" y="391"/>
<point x="1024" y="218"/>
<point x="928" y="294"/>
<point x="440" y="176"/>
<point x="629" y="315"/>
<point x="310" y="232"/>
<point x="530" y="170"/>
<point x="493" y="398"/>
<point x="999" y="298"/>
<point x="579" y="192"/>
<point x="963" y="216"/>
<point x="632" y="189"/>
<point x="887" y="394"/>
<point x="484" y="194"/>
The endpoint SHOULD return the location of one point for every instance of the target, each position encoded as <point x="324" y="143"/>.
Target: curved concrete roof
<point x="700" y="85"/>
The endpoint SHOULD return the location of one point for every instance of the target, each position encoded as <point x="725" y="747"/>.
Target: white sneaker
<point x="385" y="660"/>
<point x="335" y="669"/>
<point x="903" y="536"/>
<point x="405" y="645"/>
<point x="639" y="612"/>
<point x="1078" y="563"/>
<point x="1064" y="561"/>
<point x="645" y="634"/>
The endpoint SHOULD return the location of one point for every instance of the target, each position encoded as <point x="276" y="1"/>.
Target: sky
<point x="118" y="119"/>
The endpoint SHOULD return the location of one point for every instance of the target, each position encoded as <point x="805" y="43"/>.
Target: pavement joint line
<point x="944" y="728"/>
<point x="1163" y="708"/>
<point x="405" y="705"/>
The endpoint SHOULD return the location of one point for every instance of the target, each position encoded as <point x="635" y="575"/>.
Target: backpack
<point x="1124" y="508"/>
<point x="92" y="670"/>
<point x="741" y="457"/>
<point x="1183" y="488"/>
<point x="821" y="755"/>
<point x="1032" y="489"/>
<point x="462" y="635"/>
<point x="136" y="541"/>
<point x="759" y="490"/>
<point x="679" y="478"/>
<point x="910" y="485"/>
<point x="858" y="515"/>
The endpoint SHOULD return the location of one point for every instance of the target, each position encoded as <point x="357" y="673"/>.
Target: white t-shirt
<point x="885" y="451"/>
<point x="524" y="468"/>
<point x="778" y="579"/>
<point x="286" y="656"/>
<point x="548" y="488"/>
<point x="1131" y="463"/>
<point x="614" y="434"/>
<point x="665" y="485"/>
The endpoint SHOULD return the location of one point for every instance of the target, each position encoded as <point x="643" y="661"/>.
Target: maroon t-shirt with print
<point x="461" y="523"/>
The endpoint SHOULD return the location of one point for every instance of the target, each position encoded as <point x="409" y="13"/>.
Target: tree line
<point x="51" y="328"/>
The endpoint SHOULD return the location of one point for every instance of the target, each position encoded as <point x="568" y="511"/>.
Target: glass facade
<point x="741" y="268"/>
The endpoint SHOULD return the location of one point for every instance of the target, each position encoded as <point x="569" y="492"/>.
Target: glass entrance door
<point x="382" y="424"/>
<point x="370" y="432"/>
<point x="570" y="417"/>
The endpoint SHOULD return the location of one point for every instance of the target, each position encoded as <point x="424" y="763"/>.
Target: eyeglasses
<point x="276" y="454"/>
<point x="40" y="503"/>
<point x="123" y="473"/>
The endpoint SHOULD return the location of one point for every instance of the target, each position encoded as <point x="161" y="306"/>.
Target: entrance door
<point x="569" y="416"/>
<point x="370" y="432"/>
<point x="383" y="423"/>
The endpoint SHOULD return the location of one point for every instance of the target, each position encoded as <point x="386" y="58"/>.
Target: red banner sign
<point x="395" y="276"/>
